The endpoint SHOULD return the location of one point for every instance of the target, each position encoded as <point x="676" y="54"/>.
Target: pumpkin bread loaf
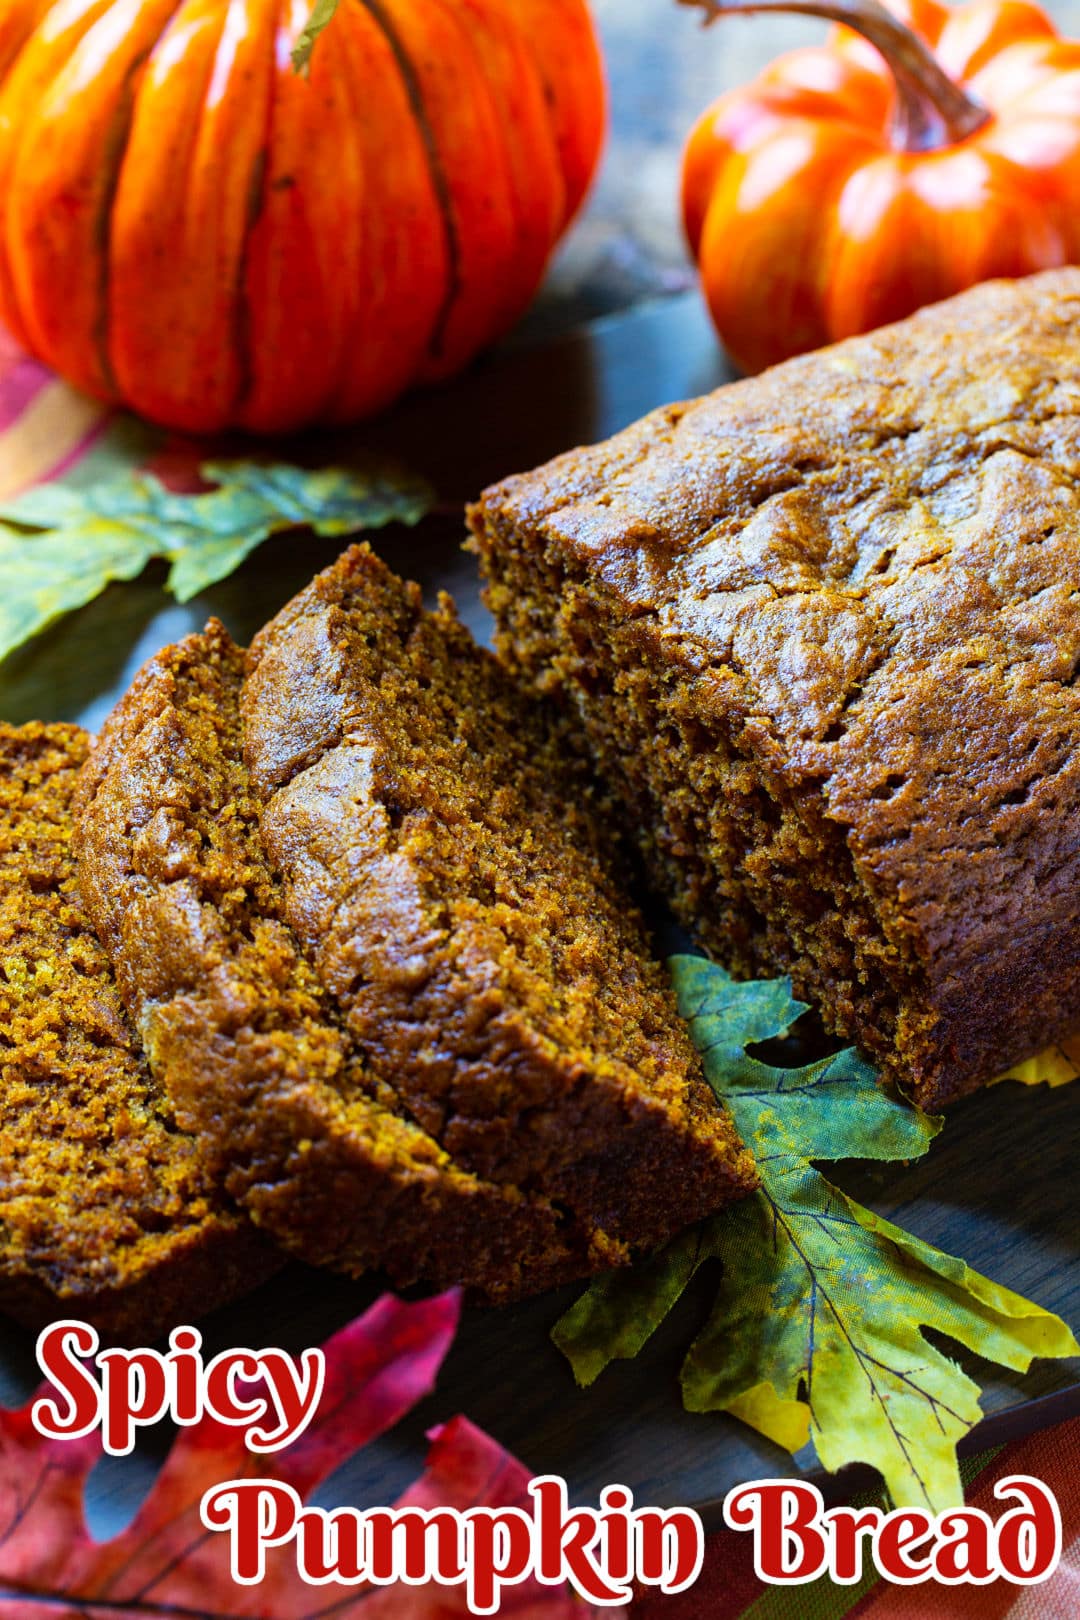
<point x="106" y="1211"/>
<point x="249" y="1015"/>
<point x="822" y="629"/>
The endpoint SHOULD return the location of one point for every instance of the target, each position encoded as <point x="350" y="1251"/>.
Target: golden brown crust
<point x="442" y="866"/>
<point x="823" y="629"/>
<point x="313" y="1098"/>
<point x="241" y="1031"/>
<point x="106" y="1213"/>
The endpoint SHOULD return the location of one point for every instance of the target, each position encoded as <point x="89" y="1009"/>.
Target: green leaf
<point x="46" y="577"/>
<point x="321" y="13"/>
<point x="816" y="1332"/>
<point x="61" y="544"/>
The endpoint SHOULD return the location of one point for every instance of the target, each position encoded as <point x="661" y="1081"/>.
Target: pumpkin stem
<point x="931" y="111"/>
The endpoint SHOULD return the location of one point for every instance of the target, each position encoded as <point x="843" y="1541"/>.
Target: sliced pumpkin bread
<point x="106" y="1209"/>
<point x="358" y="911"/>
<point x="244" y="1036"/>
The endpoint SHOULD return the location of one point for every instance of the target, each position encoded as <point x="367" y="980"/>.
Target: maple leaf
<point x="62" y="544"/>
<point x="166" y="1566"/>
<point x="816" y="1334"/>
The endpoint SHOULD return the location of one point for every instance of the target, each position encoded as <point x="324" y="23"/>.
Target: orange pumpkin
<point x="850" y="184"/>
<point x="192" y="229"/>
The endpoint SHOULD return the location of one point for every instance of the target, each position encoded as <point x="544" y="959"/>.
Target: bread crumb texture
<point x="822" y="630"/>
<point x="106" y="1210"/>
<point x="359" y="908"/>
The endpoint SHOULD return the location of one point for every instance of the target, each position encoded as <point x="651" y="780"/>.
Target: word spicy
<point x="598" y="1553"/>
<point x="135" y="1388"/>
<point x="796" y="1539"/>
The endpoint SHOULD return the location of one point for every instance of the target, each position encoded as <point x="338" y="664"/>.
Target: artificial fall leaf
<point x="165" y="1565"/>
<point x="61" y="544"/>
<point x="815" y="1336"/>
<point x="1055" y="1067"/>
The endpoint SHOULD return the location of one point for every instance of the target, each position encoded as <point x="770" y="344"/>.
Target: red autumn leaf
<point x="166" y="1566"/>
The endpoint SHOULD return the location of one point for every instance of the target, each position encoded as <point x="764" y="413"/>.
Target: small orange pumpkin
<point x="850" y="184"/>
<point x="190" y="228"/>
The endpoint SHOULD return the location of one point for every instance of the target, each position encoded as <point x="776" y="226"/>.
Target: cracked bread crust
<point x="823" y="630"/>
<point x="106" y="1213"/>
<point x="243" y="1035"/>
<point x="441" y="864"/>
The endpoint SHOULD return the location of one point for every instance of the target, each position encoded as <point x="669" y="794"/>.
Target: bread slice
<point x="823" y="632"/>
<point x="444" y="868"/>
<point x="106" y="1211"/>
<point x="285" y="977"/>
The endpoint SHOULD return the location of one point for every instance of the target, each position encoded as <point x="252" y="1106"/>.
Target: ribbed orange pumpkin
<point x="924" y="148"/>
<point x="190" y="228"/>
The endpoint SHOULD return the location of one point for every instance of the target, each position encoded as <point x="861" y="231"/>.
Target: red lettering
<point x="848" y="1529"/>
<point x="391" y="1530"/>
<point x="135" y="1393"/>
<point x="564" y="1540"/>
<point x="449" y="1568"/>
<point x="901" y="1530"/>
<point x="1028" y="1536"/>
<point x="785" y="1518"/>
<point x="184" y="1346"/>
<point x="58" y="1348"/>
<point x="257" y="1513"/>
<point x="296" y="1389"/>
<point x="671" y="1546"/>
<point x="221" y="1397"/>
<point x="410" y="1527"/>
<point x="963" y="1550"/>
<point x="499" y="1549"/>
<point x="317" y="1546"/>
<point x="328" y="1546"/>
<point x="615" y="1502"/>
<point x="380" y="1539"/>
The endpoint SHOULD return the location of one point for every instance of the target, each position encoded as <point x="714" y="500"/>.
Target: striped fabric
<point x="45" y="426"/>
<point x="46" y="431"/>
